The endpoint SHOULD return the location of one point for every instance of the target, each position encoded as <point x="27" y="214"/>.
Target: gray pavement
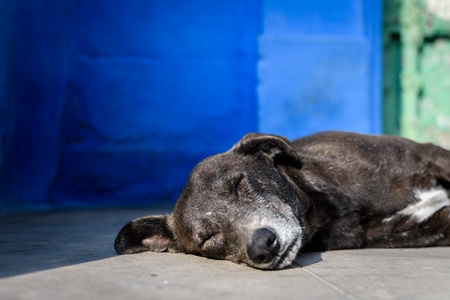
<point x="69" y="255"/>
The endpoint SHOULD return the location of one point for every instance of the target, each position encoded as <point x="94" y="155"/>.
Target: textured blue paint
<point x="314" y="18"/>
<point x="5" y="23"/>
<point x="317" y="67"/>
<point x="155" y="86"/>
<point x="373" y="33"/>
<point x="113" y="102"/>
<point x="116" y="102"/>
<point x="35" y="90"/>
<point x="322" y="89"/>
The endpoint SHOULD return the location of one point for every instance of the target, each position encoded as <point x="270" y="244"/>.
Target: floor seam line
<point x="329" y="284"/>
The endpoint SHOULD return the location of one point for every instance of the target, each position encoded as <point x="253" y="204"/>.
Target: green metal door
<point x="416" y="84"/>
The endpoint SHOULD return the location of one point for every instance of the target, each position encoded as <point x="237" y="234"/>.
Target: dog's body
<point x="266" y="199"/>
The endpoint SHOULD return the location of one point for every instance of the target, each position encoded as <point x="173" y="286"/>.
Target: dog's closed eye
<point x="205" y="239"/>
<point x="210" y="240"/>
<point x="235" y="182"/>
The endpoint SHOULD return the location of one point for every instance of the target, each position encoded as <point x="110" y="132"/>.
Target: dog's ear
<point x="278" y="148"/>
<point x="151" y="233"/>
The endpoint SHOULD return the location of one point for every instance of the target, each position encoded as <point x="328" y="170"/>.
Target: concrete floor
<point x="69" y="255"/>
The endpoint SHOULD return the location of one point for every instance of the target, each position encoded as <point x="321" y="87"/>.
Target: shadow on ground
<point x="31" y="242"/>
<point x="74" y="249"/>
<point x="307" y="259"/>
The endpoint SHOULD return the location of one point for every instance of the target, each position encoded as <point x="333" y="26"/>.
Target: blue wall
<point x="319" y="67"/>
<point x="4" y="25"/>
<point x="113" y="102"/>
<point x="5" y="28"/>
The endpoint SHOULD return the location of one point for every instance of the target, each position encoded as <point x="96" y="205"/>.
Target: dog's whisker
<point x="295" y="264"/>
<point x="301" y="254"/>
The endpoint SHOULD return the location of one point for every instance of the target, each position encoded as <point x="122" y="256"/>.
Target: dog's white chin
<point x="288" y="231"/>
<point x="288" y="255"/>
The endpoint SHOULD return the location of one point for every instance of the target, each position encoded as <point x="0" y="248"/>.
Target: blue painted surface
<point x="36" y="90"/>
<point x="5" y="22"/>
<point x="319" y="67"/>
<point x="114" y="104"/>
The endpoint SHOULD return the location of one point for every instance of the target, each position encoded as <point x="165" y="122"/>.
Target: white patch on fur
<point x="428" y="203"/>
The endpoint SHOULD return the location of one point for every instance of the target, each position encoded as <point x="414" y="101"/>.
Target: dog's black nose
<point x="264" y="246"/>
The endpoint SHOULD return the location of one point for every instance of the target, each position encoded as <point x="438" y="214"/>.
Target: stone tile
<point x="387" y="273"/>
<point x="69" y="255"/>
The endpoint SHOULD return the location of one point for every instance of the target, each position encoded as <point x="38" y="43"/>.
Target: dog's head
<point x="240" y="205"/>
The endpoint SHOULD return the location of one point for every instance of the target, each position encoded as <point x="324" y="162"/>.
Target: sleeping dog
<point x="266" y="199"/>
